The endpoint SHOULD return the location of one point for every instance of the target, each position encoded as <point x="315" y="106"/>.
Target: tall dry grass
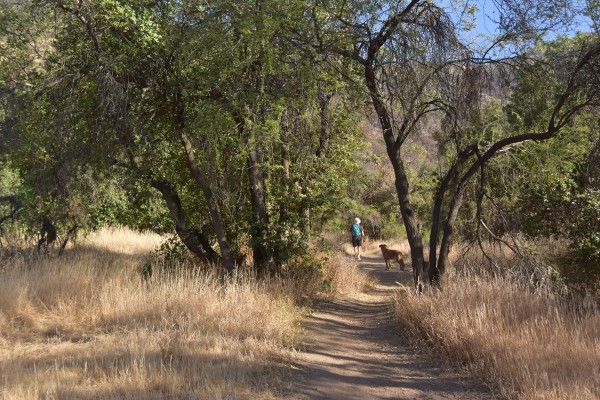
<point x="86" y="325"/>
<point x="345" y="276"/>
<point x="525" y="342"/>
<point x="341" y="270"/>
<point x="370" y="247"/>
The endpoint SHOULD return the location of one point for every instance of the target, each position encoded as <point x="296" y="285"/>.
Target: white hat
<point x="357" y="220"/>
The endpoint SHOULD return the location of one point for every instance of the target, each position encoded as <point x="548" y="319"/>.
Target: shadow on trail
<point x="355" y="351"/>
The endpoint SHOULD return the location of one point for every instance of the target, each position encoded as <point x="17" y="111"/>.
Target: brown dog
<point x="389" y="255"/>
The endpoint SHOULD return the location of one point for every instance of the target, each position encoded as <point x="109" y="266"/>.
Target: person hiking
<point x="357" y="236"/>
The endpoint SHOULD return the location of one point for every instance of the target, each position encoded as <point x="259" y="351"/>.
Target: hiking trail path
<point x="353" y="350"/>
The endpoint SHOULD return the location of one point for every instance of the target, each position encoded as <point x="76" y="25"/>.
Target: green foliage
<point x="563" y="201"/>
<point x="583" y="227"/>
<point x="98" y="115"/>
<point x="95" y="96"/>
<point x="10" y="179"/>
<point x="547" y="188"/>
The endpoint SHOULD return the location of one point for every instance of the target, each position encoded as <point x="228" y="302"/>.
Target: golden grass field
<point x="526" y="343"/>
<point x="85" y="325"/>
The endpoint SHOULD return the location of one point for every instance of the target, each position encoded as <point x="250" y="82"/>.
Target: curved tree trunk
<point x="191" y="237"/>
<point x="392" y="144"/>
<point x="213" y="208"/>
<point x="438" y="261"/>
<point x="411" y="223"/>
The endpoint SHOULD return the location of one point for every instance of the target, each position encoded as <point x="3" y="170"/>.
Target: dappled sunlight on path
<point x="353" y="350"/>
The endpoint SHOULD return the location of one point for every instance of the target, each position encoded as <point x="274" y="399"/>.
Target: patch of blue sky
<point x="479" y="20"/>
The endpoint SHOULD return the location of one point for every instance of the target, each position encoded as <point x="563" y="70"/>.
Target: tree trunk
<point x="213" y="208"/>
<point x="324" y="134"/>
<point x="71" y="234"/>
<point x="434" y="273"/>
<point x="285" y="176"/>
<point x="411" y="223"/>
<point x="457" y="201"/>
<point x="191" y="238"/>
<point x="437" y="267"/>
<point x="260" y="215"/>
<point x="439" y="260"/>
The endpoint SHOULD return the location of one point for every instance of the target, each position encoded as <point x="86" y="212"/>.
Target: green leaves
<point x="120" y="81"/>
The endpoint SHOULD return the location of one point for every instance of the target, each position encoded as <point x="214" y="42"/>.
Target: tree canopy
<point x="237" y="124"/>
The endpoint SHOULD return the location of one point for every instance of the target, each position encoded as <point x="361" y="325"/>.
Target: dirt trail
<point x="353" y="352"/>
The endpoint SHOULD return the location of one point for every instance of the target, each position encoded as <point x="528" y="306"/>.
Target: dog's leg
<point x="383" y="253"/>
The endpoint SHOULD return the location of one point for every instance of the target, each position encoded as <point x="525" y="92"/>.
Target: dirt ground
<point x="354" y="351"/>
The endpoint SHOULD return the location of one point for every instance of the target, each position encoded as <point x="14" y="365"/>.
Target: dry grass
<point x="526" y="343"/>
<point x="340" y="269"/>
<point x="370" y="247"/>
<point x="345" y="276"/>
<point x="85" y="325"/>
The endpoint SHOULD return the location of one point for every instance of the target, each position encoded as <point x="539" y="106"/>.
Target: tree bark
<point x="440" y="267"/>
<point x="260" y="215"/>
<point x="324" y="134"/>
<point x="202" y="181"/>
<point x="213" y="208"/>
<point x="191" y="237"/>
<point x="438" y="261"/>
<point x="392" y="144"/>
